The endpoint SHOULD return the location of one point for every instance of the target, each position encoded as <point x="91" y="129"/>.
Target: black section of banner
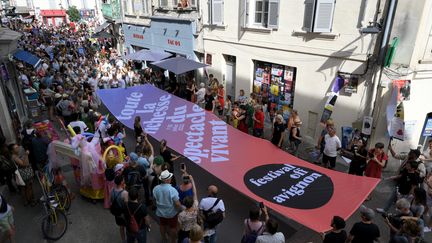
<point x="290" y="185"/>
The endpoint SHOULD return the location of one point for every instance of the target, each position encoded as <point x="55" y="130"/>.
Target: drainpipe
<point x="391" y="10"/>
<point x="388" y="24"/>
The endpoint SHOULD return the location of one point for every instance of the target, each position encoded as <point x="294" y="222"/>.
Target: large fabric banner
<point x="306" y="193"/>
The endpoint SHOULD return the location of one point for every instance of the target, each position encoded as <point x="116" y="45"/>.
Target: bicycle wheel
<point x="54" y="225"/>
<point x="62" y="196"/>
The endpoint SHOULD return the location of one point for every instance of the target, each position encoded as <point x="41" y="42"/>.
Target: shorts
<point x="6" y="224"/>
<point x="120" y="221"/>
<point x="170" y="222"/>
<point x="258" y="132"/>
<point x="327" y="159"/>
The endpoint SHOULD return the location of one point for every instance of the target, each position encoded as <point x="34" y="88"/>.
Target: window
<point x="216" y="11"/>
<point x="318" y="15"/>
<point x="184" y="4"/>
<point x="139" y="7"/>
<point x="265" y="13"/>
<point x="163" y="3"/>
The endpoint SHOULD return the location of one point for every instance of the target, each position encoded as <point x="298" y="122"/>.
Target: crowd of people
<point x="132" y="184"/>
<point x="73" y="67"/>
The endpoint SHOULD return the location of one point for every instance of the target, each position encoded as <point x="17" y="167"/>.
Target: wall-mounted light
<point x="373" y="28"/>
<point x="177" y="32"/>
<point x="144" y="30"/>
<point x="165" y="30"/>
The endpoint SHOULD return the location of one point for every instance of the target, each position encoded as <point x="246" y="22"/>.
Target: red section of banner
<point x="306" y="193"/>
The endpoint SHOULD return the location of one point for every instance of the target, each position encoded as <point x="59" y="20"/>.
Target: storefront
<point x="174" y="35"/>
<point x="53" y="17"/>
<point x="275" y="83"/>
<point x="136" y="38"/>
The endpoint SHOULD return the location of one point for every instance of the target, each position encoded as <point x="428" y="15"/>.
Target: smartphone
<point x="182" y="166"/>
<point x="261" y="205"/>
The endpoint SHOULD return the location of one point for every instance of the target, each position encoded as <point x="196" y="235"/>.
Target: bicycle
<point x="58" y="191"/>
<point x="54" y="222"/>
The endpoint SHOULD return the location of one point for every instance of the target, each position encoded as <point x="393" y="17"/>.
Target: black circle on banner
<point x="291" y="186"/>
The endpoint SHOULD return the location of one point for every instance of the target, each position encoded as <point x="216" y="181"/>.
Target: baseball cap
<point x="368" y="213"/>
<point x="133" y="156"/>
<point x="158" y="160"/>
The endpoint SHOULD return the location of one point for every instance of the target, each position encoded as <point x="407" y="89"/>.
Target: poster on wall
<point x="367" y="125"/>
<point x="289" y="74"/>
<point x="351" y="86"/>
<point x="277" y="70"/>
<point x="259" y="72"/>
<point x="397" y="129"/>
<point x="410" y="127"/>
<point x="346" y="136"/>
<point x="427" y="131"/>
<point x="404" y="89"/>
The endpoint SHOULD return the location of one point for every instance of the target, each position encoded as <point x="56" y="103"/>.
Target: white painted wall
<point x="317" y="57"/>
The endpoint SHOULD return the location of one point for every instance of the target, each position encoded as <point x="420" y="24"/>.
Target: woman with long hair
<point x="21" y="160"/>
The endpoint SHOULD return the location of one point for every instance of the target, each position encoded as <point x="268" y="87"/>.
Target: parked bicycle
<point x="54" y="222"/>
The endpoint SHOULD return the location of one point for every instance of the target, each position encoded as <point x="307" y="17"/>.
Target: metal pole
<point x="382" y="52"/>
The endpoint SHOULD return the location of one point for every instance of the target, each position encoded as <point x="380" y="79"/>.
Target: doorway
<point x="230" y="74"/>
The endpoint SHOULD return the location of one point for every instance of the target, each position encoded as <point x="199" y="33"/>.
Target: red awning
<point x="53" y="13"/>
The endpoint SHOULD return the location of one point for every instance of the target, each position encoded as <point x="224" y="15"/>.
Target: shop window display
<point x="275" y="84"/>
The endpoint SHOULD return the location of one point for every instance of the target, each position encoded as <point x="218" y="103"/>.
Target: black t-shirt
<point x="138" y="131"/>
<point x="208" y="102"/>
<point x="131" y="177"/>
<point x="333" y="237"/>
<point x="407" y="181"/>
<point x="364" y="233"/>
<point x="173" y="86"/>
<point x="279" y="128"/>
<point x="167" y="156"/>
<point x="140" y="213"/>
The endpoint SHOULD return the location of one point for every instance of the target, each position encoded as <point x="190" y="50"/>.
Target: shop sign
<point x="174" y="42"/>
<point x="138" y="36"/>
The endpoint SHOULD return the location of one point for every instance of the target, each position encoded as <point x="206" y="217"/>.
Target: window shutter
<point x="217" y="12"/>
<point x="163" y="3"/>
<point x="308" y="15"/>
<point x="324" y="16"/>
<point x="244" y="13"/>
<point x="273" y="14"/>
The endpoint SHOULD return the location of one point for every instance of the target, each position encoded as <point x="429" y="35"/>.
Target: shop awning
<point x="102" y="34"/>
<point x="101" y="27"/>
<point x="147" y="55"/>
<point x="27" y="57"/>
<point x="179" y="65"/>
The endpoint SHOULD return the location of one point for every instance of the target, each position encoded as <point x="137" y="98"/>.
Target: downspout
<point x="391" y="10"/>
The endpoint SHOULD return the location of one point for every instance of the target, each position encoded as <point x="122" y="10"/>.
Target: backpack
<point x="212" y="219"/>
<point x="134" y="178"/>
<point x="27" y="139"/>
<point x="116" y="207"/>
<point x="109" y="174"/>
<point x="133" y="226"/>
<point x="252" y="236"/>
<point x="6" y="164"/>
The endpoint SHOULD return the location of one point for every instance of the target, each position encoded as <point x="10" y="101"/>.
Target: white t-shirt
<point x="205" y="204"/>
<point x="331" y="145"/>
<point x="278" y="237"/>
<point x="200" y="95"/>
